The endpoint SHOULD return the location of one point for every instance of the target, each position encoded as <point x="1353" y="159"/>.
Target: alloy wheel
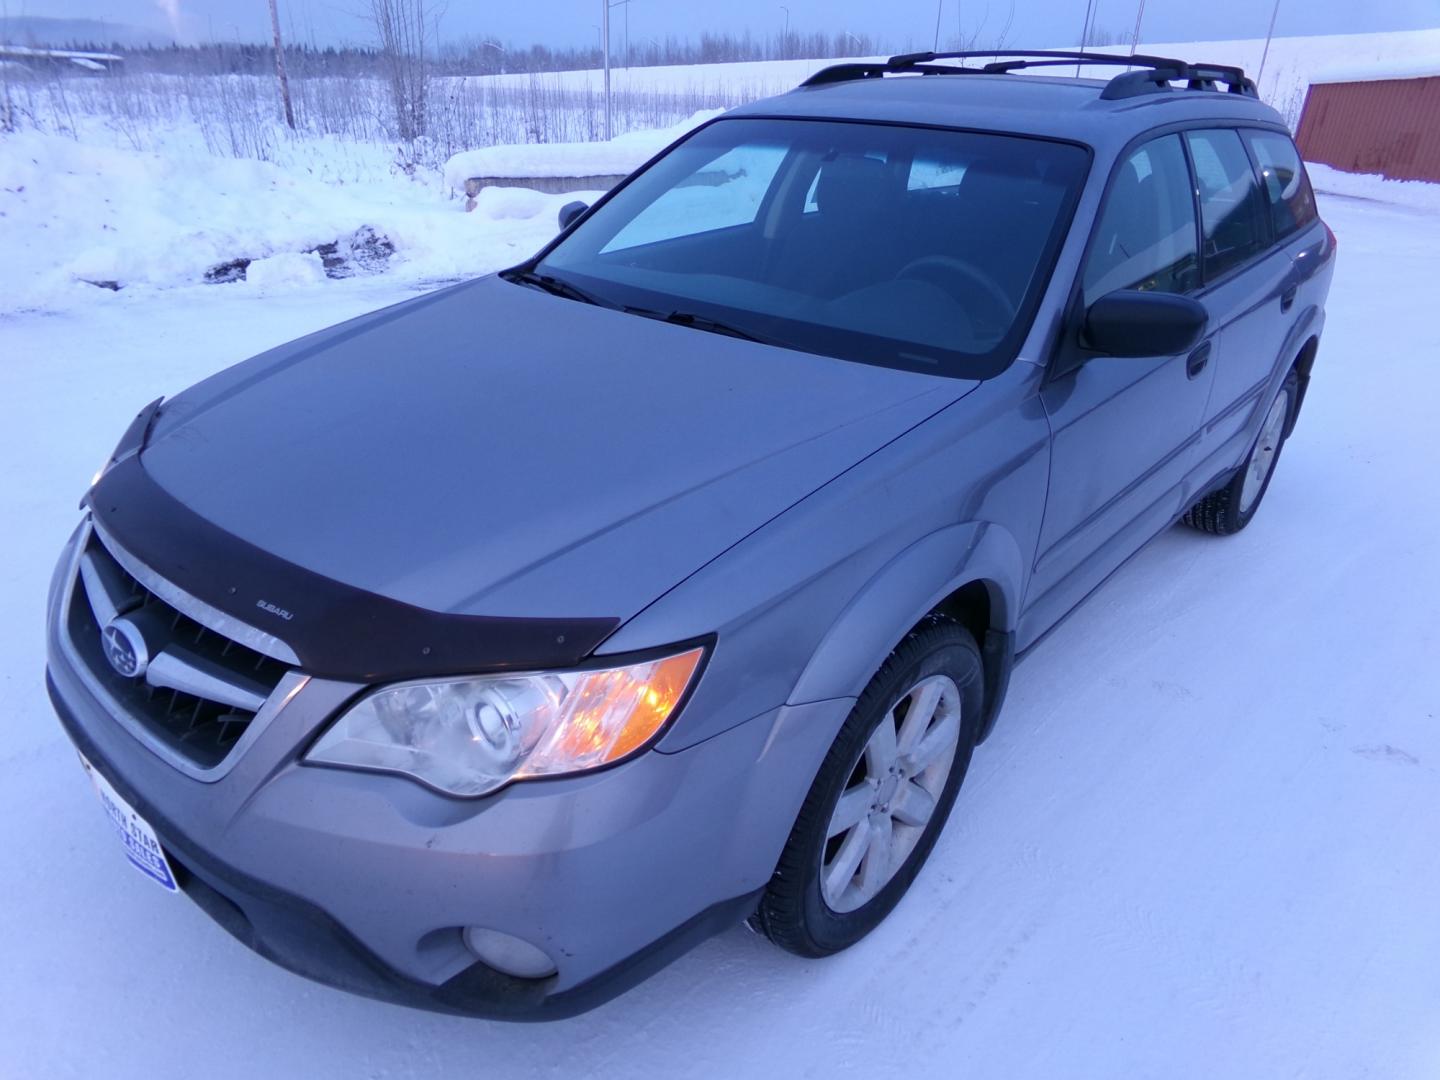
<point x="891" y="794"/>
<point x="1262" y="459"/>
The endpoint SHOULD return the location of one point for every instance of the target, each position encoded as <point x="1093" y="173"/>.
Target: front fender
<point x="902" y="593"/>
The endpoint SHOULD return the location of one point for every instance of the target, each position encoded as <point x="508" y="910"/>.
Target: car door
<point x="1249" y="291"/>
<point x="1124" y="432"/>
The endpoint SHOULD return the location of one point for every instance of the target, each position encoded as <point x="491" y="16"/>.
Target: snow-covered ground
<point x="1201" y="842"/>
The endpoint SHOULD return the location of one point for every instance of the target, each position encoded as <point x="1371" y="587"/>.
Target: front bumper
<point x="365" y="882"/>
<point x="301" y="937"/>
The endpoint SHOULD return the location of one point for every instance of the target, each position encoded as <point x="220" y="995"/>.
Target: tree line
<point x="483" y="55"/>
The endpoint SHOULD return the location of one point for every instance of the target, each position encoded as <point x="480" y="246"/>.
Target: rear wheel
<point x="1230" y="509"/>
<point x="881" y="797"/>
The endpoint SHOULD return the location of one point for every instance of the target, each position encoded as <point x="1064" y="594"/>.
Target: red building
<point x="1376" y="120"/>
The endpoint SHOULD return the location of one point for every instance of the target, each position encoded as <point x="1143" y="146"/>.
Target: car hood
<point x="493" y="450"/>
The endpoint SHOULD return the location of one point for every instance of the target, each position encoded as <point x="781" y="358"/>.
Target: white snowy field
<point x="1290" y="65"/>
<point x="1200" y="844"/>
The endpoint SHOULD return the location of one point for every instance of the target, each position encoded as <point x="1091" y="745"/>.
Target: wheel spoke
<point x="880" y="750"/>
<point x="875" y="870"/>
<point x="936" y="742"/>
<point x="847" y="860"/>
<point x="885" y="811"/>
<point x="913" y="805"/>
<point x="922" y="710"/>
<point x="1262" y="458"/>
<point x="853" y="806"/>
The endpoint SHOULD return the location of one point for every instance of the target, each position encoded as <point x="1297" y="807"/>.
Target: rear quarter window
<point x="1282" y="175"/>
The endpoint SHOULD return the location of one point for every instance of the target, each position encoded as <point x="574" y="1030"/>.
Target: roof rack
<point x="1155" y="75"/>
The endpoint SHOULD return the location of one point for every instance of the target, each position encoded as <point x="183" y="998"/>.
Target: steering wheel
<point x="931" y="267"/>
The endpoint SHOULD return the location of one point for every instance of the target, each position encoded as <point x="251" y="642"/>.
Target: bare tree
<point x="280" y="66"/>
<point x="403" y="29"/>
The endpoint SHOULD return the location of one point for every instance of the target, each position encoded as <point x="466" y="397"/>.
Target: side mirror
<point x="1133" y="323"/>
<point x="570" y="211"/>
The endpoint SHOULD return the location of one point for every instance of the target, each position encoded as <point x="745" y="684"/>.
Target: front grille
<point x="198" y="723"/>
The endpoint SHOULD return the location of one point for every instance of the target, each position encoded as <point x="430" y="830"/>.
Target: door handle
<point x="1195" y="363"/>
<point x="1287" y="298"/>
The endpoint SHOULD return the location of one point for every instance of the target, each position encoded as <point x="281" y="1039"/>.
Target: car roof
<point x="1044" y="105"/>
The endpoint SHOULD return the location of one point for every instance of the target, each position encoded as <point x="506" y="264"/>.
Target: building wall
<point x="1390" y="126"/>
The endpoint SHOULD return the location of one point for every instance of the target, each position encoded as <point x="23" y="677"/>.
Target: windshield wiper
<point x="697" y="322"/>
<point x="555" y="286"/>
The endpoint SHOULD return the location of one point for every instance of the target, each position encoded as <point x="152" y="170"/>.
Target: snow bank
<point x="1413" y="193"/>
<point x="74" y="216"/>
<point x="617" y="157"/>
<point x="288" y="269"/>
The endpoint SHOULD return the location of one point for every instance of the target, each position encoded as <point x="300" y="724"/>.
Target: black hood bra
<point x="337" y="630"/>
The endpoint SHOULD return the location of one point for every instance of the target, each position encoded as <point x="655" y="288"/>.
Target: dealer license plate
<point x="142" y="846"/>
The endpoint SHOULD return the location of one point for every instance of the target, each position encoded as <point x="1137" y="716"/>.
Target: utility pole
<point x="1274" y="14"/>
<point x="1135" y="37"/>
<point x="605" y="42"/>
<point x="280" y="65"/>
<point x="1085" y="31"/>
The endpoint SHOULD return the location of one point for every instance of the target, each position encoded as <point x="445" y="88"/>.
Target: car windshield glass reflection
<point x="906" y="247"/>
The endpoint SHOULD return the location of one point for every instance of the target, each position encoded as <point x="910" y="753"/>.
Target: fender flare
<point x="1308" y="327"/>
<point x="903" y="592"/>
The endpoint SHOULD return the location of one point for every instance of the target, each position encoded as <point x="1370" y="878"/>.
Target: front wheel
<point x="1230" y="509"/>
<point x="881" y="797"/>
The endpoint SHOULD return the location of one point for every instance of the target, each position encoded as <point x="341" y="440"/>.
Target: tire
<point x="1228" y="510"/>
<point x="812" y="907"/>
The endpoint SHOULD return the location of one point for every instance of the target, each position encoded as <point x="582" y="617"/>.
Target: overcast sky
<point x="572" y="22"/>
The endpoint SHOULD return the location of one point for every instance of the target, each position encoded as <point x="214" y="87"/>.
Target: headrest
<point x="851" y="184"/>
<point x="997" y="174"/>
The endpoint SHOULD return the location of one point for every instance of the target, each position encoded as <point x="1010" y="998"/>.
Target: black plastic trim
<point x="337" y="630"/>
<point x="1162" y="70"/>
<point x="998" y="653"/>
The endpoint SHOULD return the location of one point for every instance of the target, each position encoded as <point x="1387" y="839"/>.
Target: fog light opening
<point x="509" y="954"/>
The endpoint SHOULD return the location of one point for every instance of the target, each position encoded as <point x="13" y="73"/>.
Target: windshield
<point x="908" y="247"/>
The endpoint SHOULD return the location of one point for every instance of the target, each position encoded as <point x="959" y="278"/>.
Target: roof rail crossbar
<point x="1155" y="74"/>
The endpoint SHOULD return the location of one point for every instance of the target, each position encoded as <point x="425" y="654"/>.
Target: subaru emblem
<point x="125" y="648"/>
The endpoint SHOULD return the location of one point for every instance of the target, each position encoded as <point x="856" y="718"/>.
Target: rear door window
<point x="1146" y="237"/>
<point x="1287" y="187"/>
<point x="1232" y="208"/>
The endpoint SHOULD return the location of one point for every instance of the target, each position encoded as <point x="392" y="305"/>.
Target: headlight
<point x="471" y="736"/>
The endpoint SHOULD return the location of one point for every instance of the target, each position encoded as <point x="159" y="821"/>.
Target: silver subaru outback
<point x="485" y="652"/>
